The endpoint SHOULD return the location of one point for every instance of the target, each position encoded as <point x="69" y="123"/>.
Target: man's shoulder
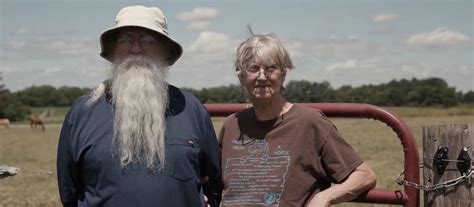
<point x="76" y="108"/>
<point x="80" y="102"/>
<point x="84" y="104"/>
<point x="181" y="98"/>
<point x="178" y="92"/>
<point x="173" y="89"/>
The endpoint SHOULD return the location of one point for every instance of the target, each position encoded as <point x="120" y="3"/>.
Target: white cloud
<point x="207" y="61"/>
<point x="56" y="45"/>
<point x="438" y="37"/>
<point x="210" y="41"/>
<point x="385" y="17"/>
<point x="337" y="39"/>
<point x="341" y="48"/>
<point x="41" y="46"/>
<point x="459" y="76"/>
<point x="42" y="58"/>
<point x="198" y="25"/>
<point x="420" y="70"/>
<point x="52" y="69"/>
<point x="349" y="64"/>
<point x="466" y="70"/>
<point x="22" y="31"/>
<point x="355" y="65"/>
<point x="295" y="48"/>
<point x="16" y="44"/>
<point x="6" y="68"/>
<point x="66" y="47"/>
<point x="198" y="13"/>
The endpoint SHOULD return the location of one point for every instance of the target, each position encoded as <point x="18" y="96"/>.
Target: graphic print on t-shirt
<point x="258" y="177"/>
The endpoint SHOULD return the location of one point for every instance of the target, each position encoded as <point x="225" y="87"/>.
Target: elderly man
<point x="135" y="140"/>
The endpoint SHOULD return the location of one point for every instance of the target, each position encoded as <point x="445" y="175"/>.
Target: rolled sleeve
<point x="338" y="157"/>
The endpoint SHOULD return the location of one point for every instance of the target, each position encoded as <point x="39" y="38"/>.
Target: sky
<point x="353" y="42"/>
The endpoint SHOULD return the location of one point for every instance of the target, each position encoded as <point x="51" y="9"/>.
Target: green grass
<point x="34" y="152"/>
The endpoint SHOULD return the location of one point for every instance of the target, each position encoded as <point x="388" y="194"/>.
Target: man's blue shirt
<point x="89" y="173"/>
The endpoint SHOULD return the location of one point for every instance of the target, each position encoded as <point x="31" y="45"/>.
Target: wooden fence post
<point x="451" y="138"/>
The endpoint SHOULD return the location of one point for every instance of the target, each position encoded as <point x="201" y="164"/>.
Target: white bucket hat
<point x="151" y="18"/>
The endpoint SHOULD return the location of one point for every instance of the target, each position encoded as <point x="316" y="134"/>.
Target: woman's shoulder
<point x="303" y="111"/>
<point x="312" y="115"/>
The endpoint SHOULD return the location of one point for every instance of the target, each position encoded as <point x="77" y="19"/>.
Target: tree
<point x="298" y="91"/>
<point x="37" y="95"/>
<point x="404" y="92"/>
<point x="304" y="91"/>
<point x="46" y="95"/>
<point x="222" y="94"/>
<point x="10" y="107"/>
<point x="433" y="92"/>
<point x="468" y="97"/>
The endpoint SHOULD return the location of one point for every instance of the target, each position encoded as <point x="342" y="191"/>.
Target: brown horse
<point x="35" y="121"/>
<point x="5" y="122"/>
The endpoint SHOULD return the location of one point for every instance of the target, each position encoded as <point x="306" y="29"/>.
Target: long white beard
<point x="140" y="96"/>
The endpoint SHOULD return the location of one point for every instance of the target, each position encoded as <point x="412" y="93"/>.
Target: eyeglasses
<point x="145" y="40"/>
<point x="254" y="69"/>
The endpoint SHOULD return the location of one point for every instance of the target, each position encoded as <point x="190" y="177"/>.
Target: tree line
<point x="414" y="92"/>
<point x="16" y="106"/>
<point x="404" y="92"/>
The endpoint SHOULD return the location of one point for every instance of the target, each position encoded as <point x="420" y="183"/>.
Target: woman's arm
<point x="362" y="179"/>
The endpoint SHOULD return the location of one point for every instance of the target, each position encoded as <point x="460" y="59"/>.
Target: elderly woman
<point x="277" y="153"/>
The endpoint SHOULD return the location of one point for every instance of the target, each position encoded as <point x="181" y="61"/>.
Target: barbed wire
<point x="448" y="160"/>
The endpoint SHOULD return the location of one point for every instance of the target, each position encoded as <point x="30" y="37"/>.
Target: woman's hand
<point x="206" y="202"/>
<point x="319" y="200"/>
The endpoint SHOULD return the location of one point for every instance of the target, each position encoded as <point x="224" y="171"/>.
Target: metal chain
<point x="446" y="184"/>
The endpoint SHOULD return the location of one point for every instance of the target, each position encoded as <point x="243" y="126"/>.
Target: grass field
<point x="34" y="151"/>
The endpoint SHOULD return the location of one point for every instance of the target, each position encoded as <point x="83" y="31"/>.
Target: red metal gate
<point x="409" y="196"/>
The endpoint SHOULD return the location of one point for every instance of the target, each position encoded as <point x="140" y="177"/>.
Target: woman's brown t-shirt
<point x="283" y="161"/>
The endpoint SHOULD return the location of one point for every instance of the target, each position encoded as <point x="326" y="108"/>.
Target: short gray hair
<point x="267" y="48"/>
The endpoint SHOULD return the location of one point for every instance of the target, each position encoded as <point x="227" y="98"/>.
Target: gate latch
<point x="440" y="160"/>
<point x="464" y="161"/>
